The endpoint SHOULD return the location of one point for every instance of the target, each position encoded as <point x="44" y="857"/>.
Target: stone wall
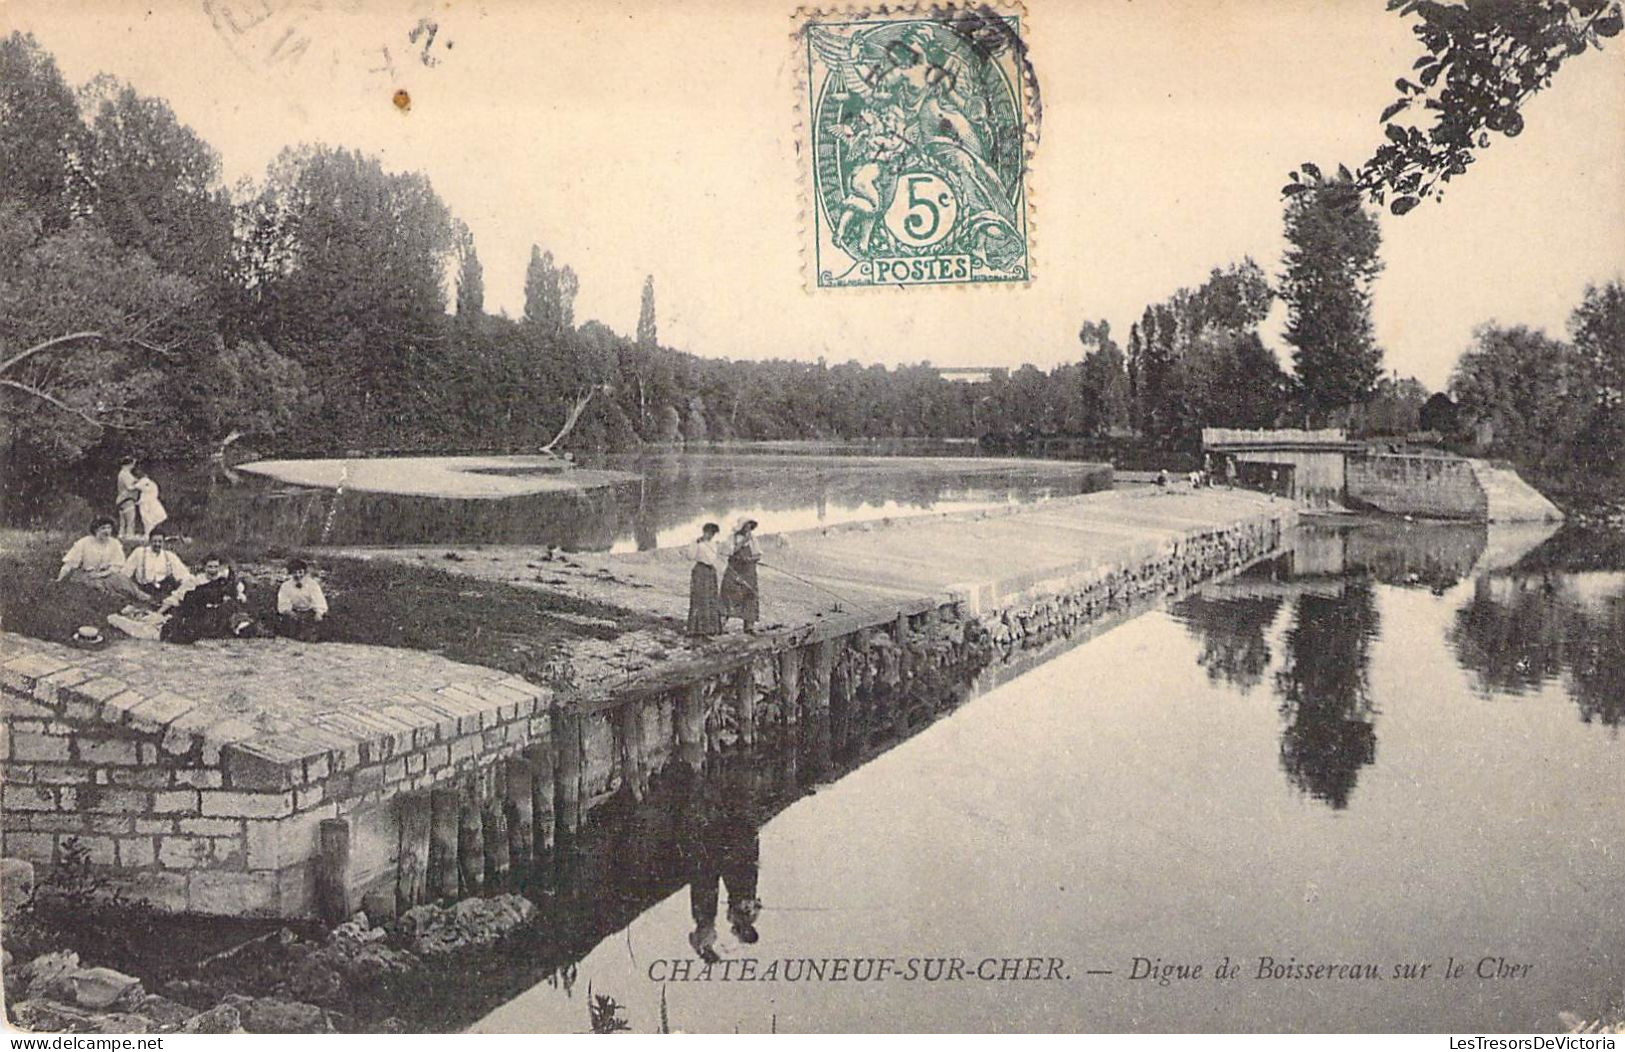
<point x="192" y="810"/>
<point x="1171" y="567"/>
<point x="1423" y="486"/>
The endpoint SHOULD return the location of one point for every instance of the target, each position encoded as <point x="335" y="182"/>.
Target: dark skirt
<point x="704" y="611"/>
<point x="740" y="597"/>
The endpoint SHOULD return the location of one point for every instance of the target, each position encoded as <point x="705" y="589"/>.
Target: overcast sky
<point x="658" y="137"/>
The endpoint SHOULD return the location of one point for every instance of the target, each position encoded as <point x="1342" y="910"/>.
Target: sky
<point x="647" y="137"/>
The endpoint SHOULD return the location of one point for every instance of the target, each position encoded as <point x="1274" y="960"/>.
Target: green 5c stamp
<point x="916" y="137"/>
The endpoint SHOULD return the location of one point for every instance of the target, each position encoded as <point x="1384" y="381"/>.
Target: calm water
<point x="1388" y="746"/>
<point x="677" y="493"/>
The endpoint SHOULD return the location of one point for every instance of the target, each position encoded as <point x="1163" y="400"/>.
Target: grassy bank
<point x="382" y="603"/>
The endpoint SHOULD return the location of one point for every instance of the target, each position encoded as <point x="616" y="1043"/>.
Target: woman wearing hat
<point x="740" y="595"/>
<point x="704" y="612"/>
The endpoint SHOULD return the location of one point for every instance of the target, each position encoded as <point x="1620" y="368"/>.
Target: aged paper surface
<point x="1207" y="755"/>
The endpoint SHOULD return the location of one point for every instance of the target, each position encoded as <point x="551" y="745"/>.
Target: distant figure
<point x="1162" y="478"/>
<point x="97" y="559"/>
<point x="126" y="500"/>
<point x="704" y="607"/>
<point x="155" y="569"/>
<point x="300" y="604"/>
<point x="147" y="503"/>
<point x="212" y="606"/>
<point x="741" y="595"/>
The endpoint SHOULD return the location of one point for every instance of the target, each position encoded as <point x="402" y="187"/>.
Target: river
<point x="1392" y="746"/>
<point x="663" y="502"/>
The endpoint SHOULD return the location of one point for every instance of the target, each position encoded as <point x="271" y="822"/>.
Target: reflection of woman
<point x="704" y="609"/>
<point x="741" y="597"/>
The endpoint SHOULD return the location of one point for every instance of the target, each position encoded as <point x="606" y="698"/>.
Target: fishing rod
<point x="821" y="588"/>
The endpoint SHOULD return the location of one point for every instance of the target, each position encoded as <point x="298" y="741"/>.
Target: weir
<point x="280" y="779"/>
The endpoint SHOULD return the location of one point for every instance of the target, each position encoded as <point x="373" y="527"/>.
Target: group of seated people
<point x="173" y="604"/>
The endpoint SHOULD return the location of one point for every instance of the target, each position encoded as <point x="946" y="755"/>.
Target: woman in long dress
<point x="741" y="596"/>
<point x="704" y="610"/>
<point x="147" y="502"/>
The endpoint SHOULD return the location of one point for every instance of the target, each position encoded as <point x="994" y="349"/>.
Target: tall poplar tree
<point x="1330" y="266"/>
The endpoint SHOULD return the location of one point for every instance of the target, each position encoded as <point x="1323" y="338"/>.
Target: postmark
<point x="915" y="147"/>
<point x="285" y="35"/>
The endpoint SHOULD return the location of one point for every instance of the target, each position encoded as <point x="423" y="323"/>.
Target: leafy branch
<point x="1483" y="59"/>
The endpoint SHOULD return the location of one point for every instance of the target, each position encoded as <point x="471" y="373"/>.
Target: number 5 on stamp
<point x="916" y="140"/>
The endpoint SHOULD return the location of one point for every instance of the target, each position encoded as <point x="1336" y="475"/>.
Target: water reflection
<point x="1521" y="631"/>
<point x="1515" y="631"/>
<point x="676" y="492"/>
<point x="1325" y="693"/>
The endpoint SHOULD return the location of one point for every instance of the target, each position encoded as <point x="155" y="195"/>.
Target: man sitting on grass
<point x="155" y="569"/>
<point x="300" y="604"/>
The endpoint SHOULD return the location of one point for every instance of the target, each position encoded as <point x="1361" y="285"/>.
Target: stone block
<point x="233" y="894"/>
<point x="27" y="798"/>
<point x="97" y="689"/>
<point x="200" y="778"/>
<point x="116" y="708"/>
<point x="185" y="852"/>
<point x="136" y="851"/>
<point x="113" y="801"/>
<point x="209" y="826"/>
<point x="140" y="777"/>
<point x="61" y="774"/>
<point x="175" y="801"/>
<point x="49" y="688"/>
<point x="31" y="847"/>
<point x="394" y="771"/>
<point x="366" y="779"/>
<point x="290" y="841"/>
<point x="317" y="768"/>
<point x="99" y="850"/>
<point x="226" y="732"/>
<point x="106" y="751"/>
<point x="15" y="708"/>
<point x="247" y="805"/>
<point x="166" y="891"/>
<point x="306" y="797"/>
<point x="30" y="748"/>
<point x="5" y="741"/>
<point x="248" y="767"/>
<point x="154" y="825"/>
<point x="156" y="713"/>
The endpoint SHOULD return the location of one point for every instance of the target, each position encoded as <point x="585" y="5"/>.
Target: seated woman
<point x="155" y="569"/>
<point x="212" y="606"/>
<point x="300" y="604"/>
<point x="97" y="559"/>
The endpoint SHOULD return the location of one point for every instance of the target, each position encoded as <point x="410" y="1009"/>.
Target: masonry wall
<point x="186" y="818"/>
<point x="1422" y="486"/>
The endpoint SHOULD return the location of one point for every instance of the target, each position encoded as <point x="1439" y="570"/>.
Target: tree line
<point x="333" y="305"/>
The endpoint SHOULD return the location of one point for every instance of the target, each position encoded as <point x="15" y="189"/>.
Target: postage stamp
<point x="915" y="145"/>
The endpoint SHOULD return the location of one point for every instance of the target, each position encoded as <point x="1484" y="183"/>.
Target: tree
<point x="1439" y="414"/>
<point x="343" y="267"/>
<point x="647" y="335"/>
<point x="1331" y="263"/>
<point x="1598" y="331"/>
<point x="1482" y="61"/>
<point x="1519" y="382"/>
<point x="42" y="139"/>
<point x="155" y="186"/>
<point x="470" y="278"/>
<point x="248" y="389"/>
<point x="85" y="332"/>
<point x="1597" y="328"/>
<point x="1102" y="380"/>
<point x="550" y="294"/>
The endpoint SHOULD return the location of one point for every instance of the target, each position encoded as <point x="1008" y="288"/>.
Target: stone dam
<point x="273" y="778"/>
